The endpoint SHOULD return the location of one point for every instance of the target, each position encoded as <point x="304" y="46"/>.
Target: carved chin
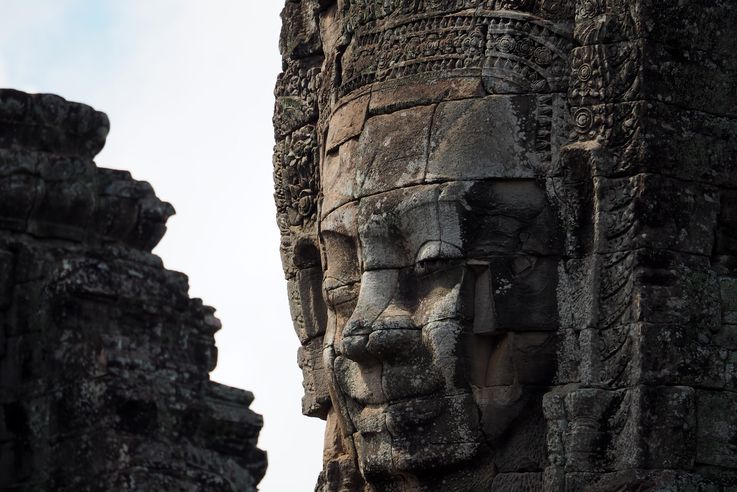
<point x="421" y="434"/>
<point x="382" y="456"/>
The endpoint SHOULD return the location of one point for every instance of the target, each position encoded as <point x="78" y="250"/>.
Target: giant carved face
<point x="440" y="257"/>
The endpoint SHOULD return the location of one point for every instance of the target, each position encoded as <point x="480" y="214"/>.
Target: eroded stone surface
<point x="524" y="217"/>
<point x="104" y="358"/>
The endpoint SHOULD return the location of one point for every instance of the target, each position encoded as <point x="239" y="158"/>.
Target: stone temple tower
<point x="104" y="358"/>
<point x="508" y="231"/>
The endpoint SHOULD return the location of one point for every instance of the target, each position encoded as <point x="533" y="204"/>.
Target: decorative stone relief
<point x="523" y="222"/>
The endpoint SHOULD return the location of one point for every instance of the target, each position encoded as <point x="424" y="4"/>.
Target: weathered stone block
<point x="628" y="429"/>
<point x="339" y="169"/>
<point x="392" y="150"/>
<point x="677" y="288"/>
<point x="518" y="482"/>
<point x="717" y="428"/>
<point x="300" y="35"/>
<point x="643" y="479"/>
<point x="347" y="122"/>
<point x="642" y="70"/>
<point x="309" y="312"/>
<point x="678" y="24"/>
<point x="659" y="138"/>
<point x="679" y="355"/>
<point x="728" y="288"/>
<point x="394" y="97"/>
<point x="524" y="448"/>
<point x="316" y="400"/>
<point x="576" y="282"/>
<point x="653" y="211"/>
<point x="20" y="191"/>
<point x="471" y="139"/>
<point x="726" y="234"/>
<point x="48" y="123"/>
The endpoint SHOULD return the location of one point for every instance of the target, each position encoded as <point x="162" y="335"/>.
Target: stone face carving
<point x="522" y="223"/>
<point x="104" y="358"/>
<point x="436" y="352"/>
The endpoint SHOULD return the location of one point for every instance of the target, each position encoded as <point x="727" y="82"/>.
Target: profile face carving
<point x="440" y="257"/>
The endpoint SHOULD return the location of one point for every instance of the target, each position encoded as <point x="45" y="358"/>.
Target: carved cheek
<point x="526" y="302"/>
<point x="341" y="262"/>
<point x="442" y="297"/>
<point x="362" y="384"/>
<point x="444" y="341"/>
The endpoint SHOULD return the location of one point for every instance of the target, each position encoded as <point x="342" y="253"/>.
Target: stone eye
<point x="435" y="265"/>
<point x="523" y="265"/>
<point x="435" y="256"/>
<point x="424" y="267"/>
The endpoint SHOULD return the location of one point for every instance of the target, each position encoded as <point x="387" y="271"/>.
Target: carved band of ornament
<point x="615" y="124"/>
<point x="583" y="119"/>
<point x="588" y="8"/>
<point x="525" y="51"/>
<point x="297" y="81"/>
<point x="296" y="176"/>
<point x="606" y="73"/>
<point x="544" y="131"/>
<point x="584" y="72"/>
<point x="368" y="12"/>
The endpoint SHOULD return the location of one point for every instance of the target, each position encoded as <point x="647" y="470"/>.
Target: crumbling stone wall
<point x="522" y="216"/>
<point x="104" y="358"/>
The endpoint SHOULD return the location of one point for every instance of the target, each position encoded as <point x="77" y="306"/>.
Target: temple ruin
<point x="104" y="358"/>
<point x="509" y="236"/>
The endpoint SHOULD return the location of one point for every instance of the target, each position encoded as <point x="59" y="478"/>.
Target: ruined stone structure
<point x="104" y="358"/>
<point x="508" y="229"/>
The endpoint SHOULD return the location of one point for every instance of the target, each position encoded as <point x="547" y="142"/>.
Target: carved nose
<point x="353" y="344"/>
<point x="393" y="345"/>
<point x="384" y="339"/>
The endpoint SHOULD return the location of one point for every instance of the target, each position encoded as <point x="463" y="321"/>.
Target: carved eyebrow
<point x="404" y="198"/>
<point x="436" y="250"/>
<point x="330" y="282"/>
<point x="332" y="228"/>
<point x="341" y="221"/>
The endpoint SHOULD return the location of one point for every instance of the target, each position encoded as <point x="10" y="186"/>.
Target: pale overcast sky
<point x="188" y="86"/>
